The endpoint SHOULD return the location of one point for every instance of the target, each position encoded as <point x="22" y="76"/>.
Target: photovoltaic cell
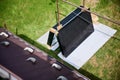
<point x="75" y="32"/>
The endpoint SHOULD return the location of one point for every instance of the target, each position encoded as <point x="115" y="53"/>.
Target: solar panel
<point x="75" y="32"/>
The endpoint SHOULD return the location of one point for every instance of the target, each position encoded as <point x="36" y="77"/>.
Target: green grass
<point x="32" y="18"/>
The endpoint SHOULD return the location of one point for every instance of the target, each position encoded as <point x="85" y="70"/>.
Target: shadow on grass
<point x="117" y="2"/>
<point x="54" y="54"/>
<point x="52" y="2"/>
<point x="114" y="37"/>
<point x="89" y="75"/>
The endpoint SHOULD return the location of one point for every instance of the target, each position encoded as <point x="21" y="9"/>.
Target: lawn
<point x="32" y="18"/>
